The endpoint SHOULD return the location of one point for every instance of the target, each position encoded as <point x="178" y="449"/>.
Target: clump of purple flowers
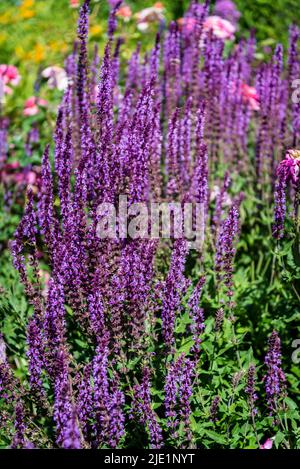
<point x="120" y="314"/>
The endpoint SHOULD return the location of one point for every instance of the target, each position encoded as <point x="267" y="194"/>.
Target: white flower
<point x="57" y="77"/>
<point x="221" y="28"/>
<point x="150" y="15"/>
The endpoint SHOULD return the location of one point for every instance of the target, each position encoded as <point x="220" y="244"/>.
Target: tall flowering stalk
<point x="178" y="393"/>
<point x="225" y="249"/>
<point x="65" y="417"/>
<point x="173" y="290"/>
<point x="197" y="316"/>
<point x="108" y="400"/>
<point x="213" y="411"/>
<point x="185" y="395"/>
<point x="275" y="378"/>
<point x="20" y="427"/>
<point x="250" y="389"/>
<point x="142" y="409"/>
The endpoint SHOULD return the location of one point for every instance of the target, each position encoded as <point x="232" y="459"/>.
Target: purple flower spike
<point x="275" y="377"/>
<point x="197" y="316"/>
<point x="142" y="409"/>
<point x="250" y="389"/>
<point x="173" y="290"/>
<point x="214" y="409"/>
<point x="20" y="427"/>
<point x="226" y="248"/>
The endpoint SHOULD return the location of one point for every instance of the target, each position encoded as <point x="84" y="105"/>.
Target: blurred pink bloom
<point x="74" y="3"/>
<point x="29" y="177"/>
<point x="31" y="106"/>
<point x="6" y="89"/>
<point x="221" y="28"/>
<point x="9" y="75"/>
<point x="250" y="95"/>
<point x="187" y="23"/>
<point x="267" y="444"/>
<point x="12" y="173"/>
<point x="291" y="165"/>
<point x="124" y="12"/>
<point x="57" y="77"/>
<point x="149" y="15"/>
<point x="11" y="166"/>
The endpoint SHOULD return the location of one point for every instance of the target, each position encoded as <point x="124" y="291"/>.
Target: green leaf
<point x="215" y="437"/>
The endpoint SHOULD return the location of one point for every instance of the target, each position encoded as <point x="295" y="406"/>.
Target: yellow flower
<point x="25" y="9"/>
<point x="20" y="52"/>
<point x="3" y="37"/>
<point x="58" y="46"/>
<point x="26" y="14"/>
<point x="96" y="30"/>
<point x="55" y="46"/>
<point x="6" y="18"/>
<point x="38" y="53"/>
<point x="27" y="4"/>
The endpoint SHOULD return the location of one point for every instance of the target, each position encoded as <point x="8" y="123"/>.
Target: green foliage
<point x="269" y="19"/>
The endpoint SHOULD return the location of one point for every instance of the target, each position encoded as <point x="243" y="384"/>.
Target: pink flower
<point x="221" y="28"/>
<point x="57" y="77"/>
<point x="74" y="3"/>
<point x="267" y="444"/>
<point x="290" y="166"/>
<point x="6" y="171"/>
<point x="150" y="15"/>
<point x="124" y="12"/>
<point x="5" y="89"/>
<point x="187" y="24"/>
<point x="12" y="173"/>
<point x="250" y="95"/>
<point x="10" y="166"/>
<point x="32" y="104"/>
<point x="29" y="177"/>
<point x="9" y="75"/>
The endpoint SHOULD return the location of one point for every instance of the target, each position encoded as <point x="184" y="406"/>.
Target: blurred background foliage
<point x="38" y="33"/>
<point x="35" y="34"/>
